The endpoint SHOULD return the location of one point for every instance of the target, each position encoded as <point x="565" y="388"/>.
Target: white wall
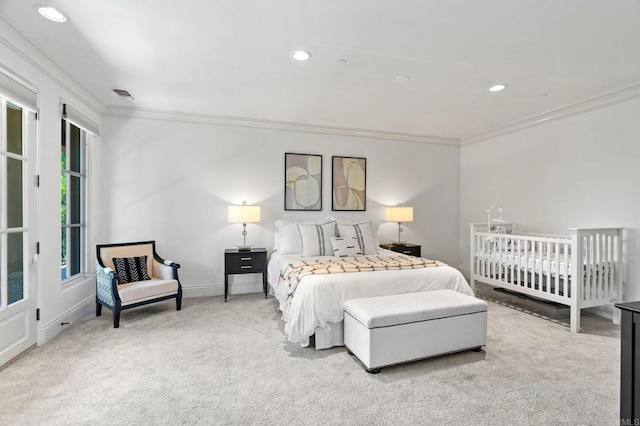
<point x="580" y="171"/>
<point x="58" y="303"/>
<point x="172" y="181"/>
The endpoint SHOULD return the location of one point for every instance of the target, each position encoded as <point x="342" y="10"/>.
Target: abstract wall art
<point x="302" y="182"/>
<point x="349" y="184"/>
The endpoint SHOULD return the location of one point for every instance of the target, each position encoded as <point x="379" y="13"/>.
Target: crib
<point x="582" y="270"/>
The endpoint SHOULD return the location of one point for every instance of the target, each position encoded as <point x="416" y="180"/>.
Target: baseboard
<point x="77" y="312"/>
<point x="217" y="289"/>
<point x="605" y="311"/>
<point x="202" y="290"/>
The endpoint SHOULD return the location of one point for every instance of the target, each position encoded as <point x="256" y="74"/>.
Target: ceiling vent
<point x="123" y="94"/>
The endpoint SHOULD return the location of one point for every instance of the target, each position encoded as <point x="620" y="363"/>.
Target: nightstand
<point x="252" y="261"/>
<point x="404" y="248"/>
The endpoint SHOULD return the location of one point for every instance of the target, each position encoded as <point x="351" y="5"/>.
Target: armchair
<point x="133" y="274"/>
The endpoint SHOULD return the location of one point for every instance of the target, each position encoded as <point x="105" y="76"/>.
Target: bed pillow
<point x="131" y="269"/>
<point x="363" y="232"/>
<point x="316" y="239"/>
<point x="287" y="235"/>
<point x="345" y="247"/>
<point x="374" y="227"/>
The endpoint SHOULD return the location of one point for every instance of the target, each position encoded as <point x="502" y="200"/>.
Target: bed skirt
<point x="329" y="336"/>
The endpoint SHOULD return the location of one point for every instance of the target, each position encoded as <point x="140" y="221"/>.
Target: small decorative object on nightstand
<point x="404" y="248"/>
<point x="245" y="261"/>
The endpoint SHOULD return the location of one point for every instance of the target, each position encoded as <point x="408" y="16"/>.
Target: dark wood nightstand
<point x="404" y="248"/>
<point x="252" y="261"/>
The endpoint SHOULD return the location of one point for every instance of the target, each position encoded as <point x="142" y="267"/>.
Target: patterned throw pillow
<point x="363" y="233"/>
<point x="131" y="269"/>
<point x="287" y="235"/>
<point x="345" y="247"/>
<point x="316" y="239"/>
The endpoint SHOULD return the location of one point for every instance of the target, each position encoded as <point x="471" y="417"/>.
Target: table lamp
<point x="244" y="214"/>
<point x="398" y="214"/>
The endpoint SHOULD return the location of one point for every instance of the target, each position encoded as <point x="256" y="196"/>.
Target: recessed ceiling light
<point x="300" y="55"/>
<point x="402" y="78"/>
<point x="497" y="87"/>
<point x="51" y="13"/>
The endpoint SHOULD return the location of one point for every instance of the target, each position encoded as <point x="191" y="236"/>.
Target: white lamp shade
<point x="244" y="214"/>
<point x="398" y="214"/>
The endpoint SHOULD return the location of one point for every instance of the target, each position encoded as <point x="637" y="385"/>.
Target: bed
<point x="581" y="270"/>
<point x="315" y="306"/>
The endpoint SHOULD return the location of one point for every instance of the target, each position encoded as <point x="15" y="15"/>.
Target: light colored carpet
<point x="230" y="363"/>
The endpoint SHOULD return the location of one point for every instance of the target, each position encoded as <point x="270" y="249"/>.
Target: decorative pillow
<point x="374" y="227"/>
<point x="345" y="247"/>
<point x="287" y="235"/>
<point x="131" y="269"/>
<point x="363" y="233"/>
<point x="316" y="239"/>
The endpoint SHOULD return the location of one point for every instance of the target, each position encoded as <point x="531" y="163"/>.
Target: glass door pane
<point x="14" y="129"/>
<point x="14" y="205"/>
<point x="15" y="267"/>
<point x="15" y="212"/>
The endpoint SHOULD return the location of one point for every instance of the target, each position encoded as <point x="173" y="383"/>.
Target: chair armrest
<point x="106" y="285"/>
<point x="166" y="270"/>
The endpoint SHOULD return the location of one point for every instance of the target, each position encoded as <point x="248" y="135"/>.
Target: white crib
<point x="582" y="270"/>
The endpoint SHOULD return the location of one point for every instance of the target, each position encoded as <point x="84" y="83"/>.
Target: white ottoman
<point x="388" y="330"/>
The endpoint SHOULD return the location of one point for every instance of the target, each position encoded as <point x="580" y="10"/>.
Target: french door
<point x="17" y="236"/>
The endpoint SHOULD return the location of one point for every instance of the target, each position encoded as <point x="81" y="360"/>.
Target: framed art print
<point x="302" y="182"/>
<point x="349" y="184"/>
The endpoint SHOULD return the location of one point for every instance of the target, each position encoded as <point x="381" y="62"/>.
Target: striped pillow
<point x="363" y="233"/>
<point x="131" y="269"/>
<point x="316" y="239"/>
<point x="345" y="247"/>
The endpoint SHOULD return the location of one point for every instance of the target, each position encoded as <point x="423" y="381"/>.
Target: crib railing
<point x="601" y="254"/>
<point x="537" y="265"/>
<point x="581" y="270"/>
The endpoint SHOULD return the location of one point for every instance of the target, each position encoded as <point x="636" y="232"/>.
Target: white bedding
<point x="533" y="263"/>
<point x="528" y="261"/>
<point x="319" y="299"/>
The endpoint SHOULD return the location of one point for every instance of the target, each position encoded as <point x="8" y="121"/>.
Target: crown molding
<point x="153" y="114"/>
<point x="612" y="98"/>
<point x="22" y="45"/>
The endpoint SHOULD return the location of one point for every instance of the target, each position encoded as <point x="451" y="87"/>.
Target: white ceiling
<point x="230" y="58"/>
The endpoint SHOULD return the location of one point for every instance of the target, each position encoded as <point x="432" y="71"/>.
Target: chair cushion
<point x="144" y="290"/>
<point x="131" y="269"/>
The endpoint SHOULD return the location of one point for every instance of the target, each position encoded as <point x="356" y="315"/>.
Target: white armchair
<point x="133" y="274"/>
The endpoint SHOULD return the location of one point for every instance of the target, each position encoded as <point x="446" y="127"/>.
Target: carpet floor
<point x="216" y="363"/>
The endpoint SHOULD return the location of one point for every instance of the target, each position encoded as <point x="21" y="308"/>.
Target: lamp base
<point x="244" y="248"/>
<point x="399" y="243"/>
